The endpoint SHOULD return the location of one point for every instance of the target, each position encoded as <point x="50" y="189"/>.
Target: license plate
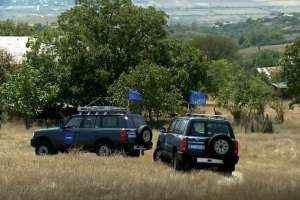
<point x="196" y="146"/>
<point x="209" y="160"/>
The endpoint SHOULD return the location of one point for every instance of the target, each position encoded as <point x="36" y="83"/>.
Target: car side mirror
<point x="163" y="130"/>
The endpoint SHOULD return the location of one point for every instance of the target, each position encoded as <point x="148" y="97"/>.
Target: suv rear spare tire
<point x="144" y="135"/>
<point x="220" y="145"/>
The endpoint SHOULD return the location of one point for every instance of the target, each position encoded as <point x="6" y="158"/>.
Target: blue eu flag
<point x="134" y="95"/>
<point x="196" y="98"/>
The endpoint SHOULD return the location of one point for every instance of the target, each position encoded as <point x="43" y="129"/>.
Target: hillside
<point x="180" y="11"/>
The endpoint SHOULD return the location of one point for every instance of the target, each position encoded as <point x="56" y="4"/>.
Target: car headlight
<point x="33" y="134"/>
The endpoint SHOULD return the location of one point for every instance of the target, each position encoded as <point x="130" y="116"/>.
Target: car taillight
<point x="183" y="145"/>
<point x="236" y="147"/>
<point x="123" y="136"/>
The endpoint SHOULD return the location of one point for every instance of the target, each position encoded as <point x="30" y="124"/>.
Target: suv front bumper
<point x="33" y="142"/>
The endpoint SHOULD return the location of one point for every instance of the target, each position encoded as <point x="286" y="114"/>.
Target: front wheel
<point x="43" y="148"/>
<point x="157" y="155"/>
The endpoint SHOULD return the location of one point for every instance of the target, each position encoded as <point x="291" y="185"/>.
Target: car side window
<point x="74" y="122"/>
<point x="110" y="122"/>
<point x="89" y="122"/>
<point x="180" y="126"/>
<point x="172" y="126"/>
<point x="217" y="128"/>
<point x="98" y="122"/>
<point x="197" y="129"/>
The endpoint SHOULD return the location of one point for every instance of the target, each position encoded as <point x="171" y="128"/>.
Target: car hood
<point x="48" y="130"/>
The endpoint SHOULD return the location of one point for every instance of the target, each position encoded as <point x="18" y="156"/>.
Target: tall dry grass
<point x="269" y="168"/>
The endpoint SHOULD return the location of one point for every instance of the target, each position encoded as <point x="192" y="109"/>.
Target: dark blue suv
<point x="198" y="140"/>
<point x="102" y="130"/>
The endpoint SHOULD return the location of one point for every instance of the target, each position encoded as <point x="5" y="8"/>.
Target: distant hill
<point x="180" y="11"/>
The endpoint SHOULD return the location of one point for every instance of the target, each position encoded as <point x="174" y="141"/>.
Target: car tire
<point x="104" y="149"/>
<point x="221" y="146"/>
<point x="144" y="134"/>
<point x="43" y="148"/>
<point x="176" y="163"/>
<point x="157" y="155"/>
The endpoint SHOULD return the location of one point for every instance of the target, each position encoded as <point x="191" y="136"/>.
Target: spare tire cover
<point x="220" y="145"/>
<point x="144" y="135"/>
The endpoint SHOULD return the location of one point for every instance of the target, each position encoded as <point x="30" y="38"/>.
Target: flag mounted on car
<point x="196" y="98"/>
<point x="134" y="95"/>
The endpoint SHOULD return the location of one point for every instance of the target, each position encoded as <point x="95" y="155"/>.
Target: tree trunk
<point x="157" y="119"/>
<point x="28" y="122"/>
<point x="150" y="116"/>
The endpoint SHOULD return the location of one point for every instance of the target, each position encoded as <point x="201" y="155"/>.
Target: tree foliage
<point x="236" y="90"/>
<point x="187" y="64"/>
<point x="292" y="70"/>
<point x="11" y="28"/>
<point x="6" y="65"/>
<point x="262" y="58"/>
<point x="155" y="83"/>
<point x="25" y="93"/>
<point x="216" y="47"/>
<point x="96" y="41"/>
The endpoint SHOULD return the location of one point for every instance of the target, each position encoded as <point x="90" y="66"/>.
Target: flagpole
<point x="128" y="105"/>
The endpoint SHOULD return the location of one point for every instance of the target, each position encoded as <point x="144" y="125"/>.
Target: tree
<point x="262" y="58"/>
<point x="155" y="83"/>
<point x="216" y="47"/>
<point x="26" y="93"/>
<point x="291" y="65"/>
<point x="96" y="42"/>
<point x="187" y="64"/>
<point x="6" y="65"/>
<point x="237" y="90"/>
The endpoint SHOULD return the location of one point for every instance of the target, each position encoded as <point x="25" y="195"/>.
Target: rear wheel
<point x="176" y="163"/>
<point x="227" y="169"/>
<point x="104" y="149"/>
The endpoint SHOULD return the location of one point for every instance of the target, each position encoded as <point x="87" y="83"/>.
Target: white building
<point x="16" y="46"/>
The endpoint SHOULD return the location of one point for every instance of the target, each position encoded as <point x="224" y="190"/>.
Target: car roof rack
<point x="209" y="116"/>
<point x="101" y="110"/>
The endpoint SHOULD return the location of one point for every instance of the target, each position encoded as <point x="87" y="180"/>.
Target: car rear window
<point x="217" y="128"/>
<point x="197" y="129"/>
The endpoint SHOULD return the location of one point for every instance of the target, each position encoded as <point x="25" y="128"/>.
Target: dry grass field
<point x="269" y="168"/>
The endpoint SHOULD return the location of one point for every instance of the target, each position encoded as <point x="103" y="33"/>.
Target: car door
<point x="70" y="133"/>
<point x="87" y="132"/>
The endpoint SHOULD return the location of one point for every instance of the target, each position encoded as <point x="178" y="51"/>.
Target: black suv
<point x="102" y="130"/>
<point x="198" y="140"/>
